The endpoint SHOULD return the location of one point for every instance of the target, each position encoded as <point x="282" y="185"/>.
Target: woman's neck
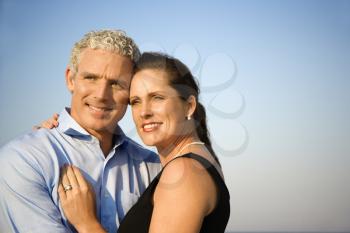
<point x="178" y="147"/>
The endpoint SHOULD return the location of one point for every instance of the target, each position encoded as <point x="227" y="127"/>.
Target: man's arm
<point x="26" y="204"/>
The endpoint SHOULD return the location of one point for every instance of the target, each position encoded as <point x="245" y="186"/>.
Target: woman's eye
<point x="133" y="102"/>
<point x="158" y="97"/>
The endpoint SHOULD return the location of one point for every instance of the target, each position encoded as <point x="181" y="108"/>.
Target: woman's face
<point x="158" y="111"/>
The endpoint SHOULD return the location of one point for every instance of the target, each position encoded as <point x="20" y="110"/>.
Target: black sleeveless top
<point x="138" y="218"/>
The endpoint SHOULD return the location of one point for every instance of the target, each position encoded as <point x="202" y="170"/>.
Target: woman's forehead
<point x="151" y="77"/>
<point x="150" y="81"/>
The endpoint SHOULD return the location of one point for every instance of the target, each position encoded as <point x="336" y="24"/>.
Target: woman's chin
<point x="148" y="141"/>
<point x="149" y="144"/>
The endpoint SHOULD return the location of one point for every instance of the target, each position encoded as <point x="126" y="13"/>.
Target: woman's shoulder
<point x="193" y="164"/>
<point x="187" y="179"/>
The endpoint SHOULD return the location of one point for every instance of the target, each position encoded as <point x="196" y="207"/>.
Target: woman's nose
<point x="146" y="110"/>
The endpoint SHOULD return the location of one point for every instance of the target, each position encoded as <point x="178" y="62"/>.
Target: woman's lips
<point x="149" y="127"/>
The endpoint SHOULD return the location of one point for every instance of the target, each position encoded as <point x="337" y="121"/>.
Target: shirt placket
<point x="108" y="210"/>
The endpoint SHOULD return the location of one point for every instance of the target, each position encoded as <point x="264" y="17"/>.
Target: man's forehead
<point x="98" y="51"/>
<point x="99" y="57"/>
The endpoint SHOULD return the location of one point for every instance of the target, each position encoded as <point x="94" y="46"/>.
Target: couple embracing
<point x="80" y="173"/>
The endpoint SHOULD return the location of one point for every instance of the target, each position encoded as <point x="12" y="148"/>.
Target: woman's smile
<point x="150" y="127"/>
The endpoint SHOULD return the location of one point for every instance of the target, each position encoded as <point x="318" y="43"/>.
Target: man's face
<point x="100" y="90"/>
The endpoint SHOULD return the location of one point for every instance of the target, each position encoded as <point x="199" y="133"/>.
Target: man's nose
<point x="102" y="90"/>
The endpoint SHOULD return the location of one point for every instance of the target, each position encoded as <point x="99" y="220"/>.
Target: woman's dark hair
<point x="181" y="79"/>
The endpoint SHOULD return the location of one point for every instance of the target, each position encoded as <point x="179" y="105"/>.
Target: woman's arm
<point x="78" y="201"/>
<point x="185" y="194"/>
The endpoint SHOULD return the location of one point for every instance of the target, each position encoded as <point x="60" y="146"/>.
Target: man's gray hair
<point x="111" y="40"/>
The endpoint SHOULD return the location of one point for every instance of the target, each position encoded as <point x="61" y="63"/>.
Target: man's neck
<point x="106" y="146"/>
<point x="106" y="141"/>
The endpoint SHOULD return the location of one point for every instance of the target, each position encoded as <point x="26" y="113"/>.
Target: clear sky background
<point x="274" y="77"/>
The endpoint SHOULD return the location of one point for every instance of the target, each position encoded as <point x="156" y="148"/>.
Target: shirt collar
<point x="70" y="127"/>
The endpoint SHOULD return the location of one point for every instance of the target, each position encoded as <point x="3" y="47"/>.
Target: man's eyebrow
<point x="88" y="74"/>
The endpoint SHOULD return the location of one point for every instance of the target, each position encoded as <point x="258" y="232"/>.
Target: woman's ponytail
<point x="200" y="117"/>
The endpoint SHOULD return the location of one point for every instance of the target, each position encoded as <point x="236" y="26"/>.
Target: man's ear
<point x="192" y="104"/>
<point x="70" y="79"/>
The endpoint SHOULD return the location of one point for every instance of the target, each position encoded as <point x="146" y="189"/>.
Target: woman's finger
<point x="47" y="124"/>
<point x="55" y="124"/>
<point x="65" y="181"/>
<point x="72" y="178"/>
<point x="50" y="123"/>
<point x="55" y="116"/>
<point x="55" y="119"/>
<point x="80" y="178"/>
<point x="61" y="193"/>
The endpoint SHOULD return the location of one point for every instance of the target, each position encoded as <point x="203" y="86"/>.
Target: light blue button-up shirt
<point x="30" y="170"/>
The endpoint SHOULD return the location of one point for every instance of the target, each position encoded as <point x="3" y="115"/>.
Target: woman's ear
<point x="70" y="79"/>
<point x="192" y="104"/>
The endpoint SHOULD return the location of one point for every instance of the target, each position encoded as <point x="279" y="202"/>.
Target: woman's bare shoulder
<point x="188" y="181"/>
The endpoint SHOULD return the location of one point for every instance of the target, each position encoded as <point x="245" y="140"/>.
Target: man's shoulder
<point x="31" y="145"/>
<point x="139" y="152"/>
<point x="31" y="138"/>
<point x="31" y="155"/>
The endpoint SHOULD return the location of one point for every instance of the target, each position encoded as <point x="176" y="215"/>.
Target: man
<point x="88" y="136"/>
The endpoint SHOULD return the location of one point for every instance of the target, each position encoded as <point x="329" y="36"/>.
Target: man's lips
<point x="151" y="126"/>
<point x="99" y="108"/>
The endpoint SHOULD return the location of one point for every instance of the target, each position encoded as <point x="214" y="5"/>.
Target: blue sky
<point x="274" y="78"/>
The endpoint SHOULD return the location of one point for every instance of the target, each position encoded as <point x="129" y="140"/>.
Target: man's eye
<point x="90" y="78"/>
<point x="117" y="85"/>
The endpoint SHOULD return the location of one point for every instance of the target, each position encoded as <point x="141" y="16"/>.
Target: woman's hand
<point x="78" y="200"/>
<point x="49" y="123"/>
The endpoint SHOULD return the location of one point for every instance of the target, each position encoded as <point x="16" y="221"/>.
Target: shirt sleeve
<point x="26" y="204"/>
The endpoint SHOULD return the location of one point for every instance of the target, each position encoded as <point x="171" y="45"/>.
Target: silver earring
<point x="188" y="117"/>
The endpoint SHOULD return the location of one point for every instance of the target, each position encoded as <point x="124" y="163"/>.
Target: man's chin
<point x="101" y="129"/>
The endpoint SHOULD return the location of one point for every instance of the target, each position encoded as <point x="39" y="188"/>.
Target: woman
<point x="189" y="194"/>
